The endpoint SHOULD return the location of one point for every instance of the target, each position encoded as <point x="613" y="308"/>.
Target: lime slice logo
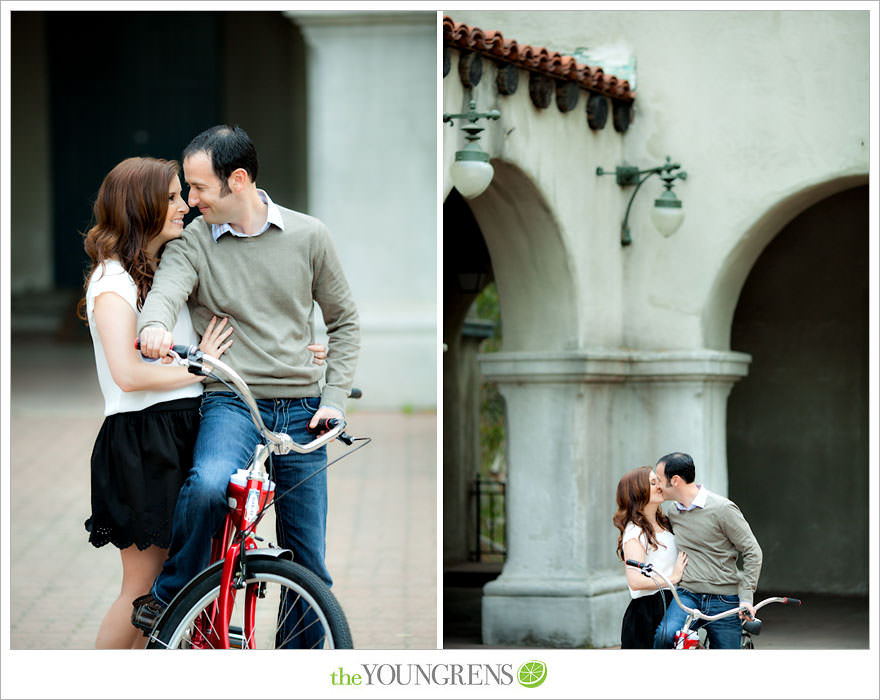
<point x="532" y="673"/>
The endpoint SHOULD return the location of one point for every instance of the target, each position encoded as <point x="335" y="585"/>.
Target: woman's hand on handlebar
<point x="216" y="340"/>
<point x="680" y="564"/>
<point x="155" y="342"/>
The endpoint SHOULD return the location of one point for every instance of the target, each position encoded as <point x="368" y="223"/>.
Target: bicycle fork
<point x="214" y="629"/>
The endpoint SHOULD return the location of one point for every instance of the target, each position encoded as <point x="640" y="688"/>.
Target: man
<point x="712" y="531"/>
<point x="263" y="267"/>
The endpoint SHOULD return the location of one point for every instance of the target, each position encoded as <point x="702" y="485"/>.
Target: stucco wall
<point x="756" y="105"/>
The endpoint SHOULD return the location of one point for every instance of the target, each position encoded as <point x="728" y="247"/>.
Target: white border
<point x="439" y="236"/>
<point x="571" y="673"/>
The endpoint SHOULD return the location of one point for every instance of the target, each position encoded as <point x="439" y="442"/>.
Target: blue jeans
<point x="226" y="440"/>
<point x="721" y="634"/>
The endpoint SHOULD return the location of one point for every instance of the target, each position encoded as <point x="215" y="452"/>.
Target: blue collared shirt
<point x="698" y="502"/>
<point x="273" y="216"/>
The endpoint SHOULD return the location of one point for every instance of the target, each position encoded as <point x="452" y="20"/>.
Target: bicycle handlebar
<point x="649" y="571"/>
<point x="191" y="357"/>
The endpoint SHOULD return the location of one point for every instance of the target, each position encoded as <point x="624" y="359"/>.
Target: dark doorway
<point x="798" y="423"/>
<point x="122" y="84"/>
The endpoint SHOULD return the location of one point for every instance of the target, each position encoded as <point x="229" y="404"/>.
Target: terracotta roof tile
<point x="534" y="58"/>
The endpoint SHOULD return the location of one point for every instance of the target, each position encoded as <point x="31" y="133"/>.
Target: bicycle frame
<point x="227" y="547"/>
<point x="686" y="638"/>
<point x="247" y="502"/>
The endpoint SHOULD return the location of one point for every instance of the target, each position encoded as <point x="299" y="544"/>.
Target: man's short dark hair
<point x="230" y="148"/>
<point x="678" y="464"/>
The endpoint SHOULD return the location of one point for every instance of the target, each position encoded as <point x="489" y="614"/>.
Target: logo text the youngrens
<point x="425" y="674"/>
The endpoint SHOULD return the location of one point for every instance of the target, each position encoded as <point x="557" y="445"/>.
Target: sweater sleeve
<point x="331" y="291"/>
<point x="740" y="534"/>
<point x="173" y="283"/>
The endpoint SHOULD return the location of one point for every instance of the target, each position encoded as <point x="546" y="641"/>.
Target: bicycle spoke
<point x="283" y="604"/>
<point x="290" y="638"/>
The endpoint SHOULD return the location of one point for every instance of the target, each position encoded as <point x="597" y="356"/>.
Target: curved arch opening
<point x="531" y="263"/>
<point x="798" y="423"/>
<point x="722" y="301"/>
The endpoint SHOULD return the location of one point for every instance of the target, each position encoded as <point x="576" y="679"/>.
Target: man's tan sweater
<point x="266" y="285"/>
<point x="712" y="537"/>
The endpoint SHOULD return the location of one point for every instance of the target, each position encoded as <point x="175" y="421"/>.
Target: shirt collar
<point x="273" y="216"/>
<point x="698" y="502"/>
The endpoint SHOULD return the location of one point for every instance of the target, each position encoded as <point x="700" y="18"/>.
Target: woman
<point x="144" y="448"/>
<point x="645" y="536"/>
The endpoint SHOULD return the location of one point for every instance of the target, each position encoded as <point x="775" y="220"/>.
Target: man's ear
<point x="238" y="179"/>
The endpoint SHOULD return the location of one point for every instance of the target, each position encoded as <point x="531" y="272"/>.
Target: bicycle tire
<point x="323" y="622"/>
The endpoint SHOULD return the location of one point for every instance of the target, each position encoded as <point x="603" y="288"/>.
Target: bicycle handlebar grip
<point x="324" y="425"/>
<point x="355" y="393"/>
<point x="182" y="350"/>
<point x="633" y="562"/>
<point x="791" y="601"/>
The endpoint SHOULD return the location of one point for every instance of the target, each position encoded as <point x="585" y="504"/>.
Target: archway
<point x="510" y="235"/>
<point x="467" y="269"/>
<point x="722" y="300"/>
<point x="798" y="423"/>
<point x="532" y="265"/>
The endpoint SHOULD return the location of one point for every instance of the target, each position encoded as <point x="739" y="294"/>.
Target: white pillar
<point x="575" y="423"/>
<point x="372" y="134"/>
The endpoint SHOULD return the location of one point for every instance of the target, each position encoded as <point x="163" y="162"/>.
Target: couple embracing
<point x="163" y="457"/>
<point x="695" y="545"/>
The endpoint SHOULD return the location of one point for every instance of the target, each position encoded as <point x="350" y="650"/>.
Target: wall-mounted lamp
<point x="667" y="213"/>
<point x="471" y="172"/>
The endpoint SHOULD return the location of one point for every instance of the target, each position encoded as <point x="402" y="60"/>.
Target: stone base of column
<point x="552" y="614"/>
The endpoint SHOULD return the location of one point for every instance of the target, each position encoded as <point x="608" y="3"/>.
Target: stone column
<point x="576" y="422"/>
<point x="372" y="126"/>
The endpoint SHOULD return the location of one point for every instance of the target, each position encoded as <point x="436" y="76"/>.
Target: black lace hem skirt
<point x="139" y="462"/>
<point x="641" y="619"/>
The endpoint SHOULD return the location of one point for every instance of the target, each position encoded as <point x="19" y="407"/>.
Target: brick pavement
<point x="381" y="538"/>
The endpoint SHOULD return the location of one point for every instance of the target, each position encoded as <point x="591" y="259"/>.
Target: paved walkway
<point x="822" y="622"/>
<point x="381" y="530"/>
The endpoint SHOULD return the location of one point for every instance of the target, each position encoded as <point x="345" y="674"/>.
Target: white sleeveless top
<point x="663" y="558"/>
<point x="112" y="277"/>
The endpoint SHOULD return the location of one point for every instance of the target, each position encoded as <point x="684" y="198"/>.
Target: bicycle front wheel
<point x="282" y="606"/>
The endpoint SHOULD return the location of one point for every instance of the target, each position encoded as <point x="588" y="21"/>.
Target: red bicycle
<point x="253" y="597"/>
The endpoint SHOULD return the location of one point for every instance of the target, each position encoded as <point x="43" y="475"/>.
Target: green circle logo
<point x="532" y="673"/>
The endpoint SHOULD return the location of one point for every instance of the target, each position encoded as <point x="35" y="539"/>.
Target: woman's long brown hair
<point x="633" y="494"/>
<point x="129" y="212"/>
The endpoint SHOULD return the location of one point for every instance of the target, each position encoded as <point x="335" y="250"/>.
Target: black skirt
<point x="139" y="462"/>
<point x="641" y="619"/>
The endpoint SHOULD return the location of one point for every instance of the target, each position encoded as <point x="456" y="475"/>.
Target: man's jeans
<point x="226" y="440"/>
<point x="722" y="634"/>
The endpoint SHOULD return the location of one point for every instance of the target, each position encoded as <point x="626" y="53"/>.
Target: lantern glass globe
<point x="471" y="177"/>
